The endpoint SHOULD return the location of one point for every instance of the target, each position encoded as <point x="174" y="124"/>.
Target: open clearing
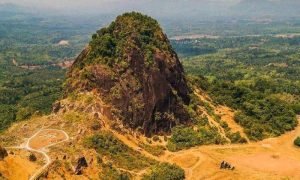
<point x="17" y="166"/>
<point x="274" y="158"/>
<point x="47" y="137"/>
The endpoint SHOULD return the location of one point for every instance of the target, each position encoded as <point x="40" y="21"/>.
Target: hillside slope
<point x="117" y="95"/>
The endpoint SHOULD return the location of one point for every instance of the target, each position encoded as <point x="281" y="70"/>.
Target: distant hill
<point x="12" y="9"/>
<point x="259" y="8"/>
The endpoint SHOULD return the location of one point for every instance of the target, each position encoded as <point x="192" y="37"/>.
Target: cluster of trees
<point x="108" y="171"/>
<point x="261" y="114"/>
<point x="106" y="144"/>
<point x="185" y="137"/>
<point x="109" y="44"/>
<point x="165" y="171"/>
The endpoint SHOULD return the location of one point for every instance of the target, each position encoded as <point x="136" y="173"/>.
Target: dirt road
<point x="41" y="140"/>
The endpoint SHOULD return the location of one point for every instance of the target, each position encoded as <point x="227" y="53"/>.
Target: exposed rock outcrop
<point x="133" y="66"/>
<point x="81" y="164"/>
<point x="3" y="153"/>
<point x="56" y="107"/>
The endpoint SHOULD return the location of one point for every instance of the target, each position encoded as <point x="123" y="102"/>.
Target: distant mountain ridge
<point x="176" y="11"/>
<point x="258" y="8"/>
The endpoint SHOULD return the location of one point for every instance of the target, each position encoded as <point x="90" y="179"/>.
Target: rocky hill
<point x="129" y="75"/>
<point x="133" y="67"/>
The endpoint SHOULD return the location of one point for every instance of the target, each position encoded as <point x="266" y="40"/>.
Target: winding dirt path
<point x="39" y="137"/>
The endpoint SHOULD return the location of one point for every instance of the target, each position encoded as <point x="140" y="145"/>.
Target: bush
<point x="24" y="113"/>
<point x="32" y="157"/>
<point x="186" y="137"/>
<point x="182" y="137"/>
<point x="165" y="171"/>
<point x="297" y="141"/>
<point x="154" y="150"/>
<point x="155" y="138"/>
<point x="106" y="144"/>
<point x="109" y="172"/>
<point x="236" y="138"/>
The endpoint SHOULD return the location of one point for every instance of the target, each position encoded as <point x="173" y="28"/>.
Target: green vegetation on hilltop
<point x="129" y="31"/>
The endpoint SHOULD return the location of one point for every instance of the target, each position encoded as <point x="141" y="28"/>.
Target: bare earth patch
<point x="227" y="115"/>
<point x="17" y="167"/>
<point x="46" y="137"/>
<point x="186" y="161"/>
<point x="268" y="162"/>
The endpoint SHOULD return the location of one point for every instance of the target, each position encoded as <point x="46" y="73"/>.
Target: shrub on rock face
<point x="297" y="141"/>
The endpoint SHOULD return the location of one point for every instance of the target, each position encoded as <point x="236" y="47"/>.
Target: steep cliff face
<point x="133" y="67"/>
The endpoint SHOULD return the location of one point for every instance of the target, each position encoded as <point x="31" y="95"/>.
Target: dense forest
<point x="257" y="76"/>
<point x="24" y="93"/>
<point x="32" y="40"/>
